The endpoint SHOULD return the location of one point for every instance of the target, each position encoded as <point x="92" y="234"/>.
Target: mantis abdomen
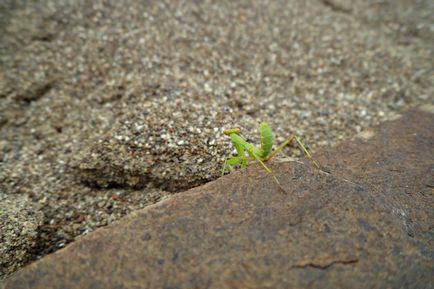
<point x="267" y="139"/>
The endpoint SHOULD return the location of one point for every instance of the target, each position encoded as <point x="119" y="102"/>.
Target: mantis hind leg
<point x="300" y="145"/>
<point x="266" y="168"/>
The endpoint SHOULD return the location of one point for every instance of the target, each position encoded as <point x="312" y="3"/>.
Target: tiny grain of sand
<point x="106" y="106"/>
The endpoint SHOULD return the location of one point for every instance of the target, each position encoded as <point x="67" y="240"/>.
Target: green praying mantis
<point x="248" y="152"/>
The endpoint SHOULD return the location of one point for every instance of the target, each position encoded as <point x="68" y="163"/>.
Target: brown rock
<point x="365" y="225"/>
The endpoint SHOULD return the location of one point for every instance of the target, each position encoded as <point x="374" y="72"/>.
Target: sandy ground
<point x="108" y="106"/>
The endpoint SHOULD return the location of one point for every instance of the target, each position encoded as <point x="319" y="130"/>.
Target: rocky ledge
<point x="363" y="221"/>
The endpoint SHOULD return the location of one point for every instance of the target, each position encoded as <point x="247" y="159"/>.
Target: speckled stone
<point x="405" y="21"/>
<point x="364" y="224"/>
<point x="20" y="221"/>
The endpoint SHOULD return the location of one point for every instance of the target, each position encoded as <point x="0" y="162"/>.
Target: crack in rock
<point x="322" y="266"/>
<point x="337" y="6"/>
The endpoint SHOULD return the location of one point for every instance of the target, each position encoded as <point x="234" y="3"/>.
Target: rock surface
<point x="366" y="224"/>
<point x="105" y="105"/>
<point x="20" y="221"/>
<point x="404" y="20"/>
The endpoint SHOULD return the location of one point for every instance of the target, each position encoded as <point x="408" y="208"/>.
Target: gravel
<point x="20" y="220"/>
<point x="106" y="107"/>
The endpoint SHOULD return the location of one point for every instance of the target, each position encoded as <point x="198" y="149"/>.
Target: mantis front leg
<point x="235" y="160"/>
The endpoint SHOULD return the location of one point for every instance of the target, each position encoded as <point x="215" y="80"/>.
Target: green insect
<point x="262" y="154"/>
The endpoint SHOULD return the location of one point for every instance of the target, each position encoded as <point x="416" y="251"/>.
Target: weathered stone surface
<point x="365" y="225"/>
<point x="403" y="19"/>
<point x="128" y="95"/>
<point x="20" y="220"/>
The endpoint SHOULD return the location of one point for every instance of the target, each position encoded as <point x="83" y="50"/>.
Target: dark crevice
<point x="36" y="92"/>
<point x="325" y="266"/>
<point x="336" y="6"/>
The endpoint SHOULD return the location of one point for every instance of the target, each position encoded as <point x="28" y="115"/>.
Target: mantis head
<point x="231" y="131"/>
